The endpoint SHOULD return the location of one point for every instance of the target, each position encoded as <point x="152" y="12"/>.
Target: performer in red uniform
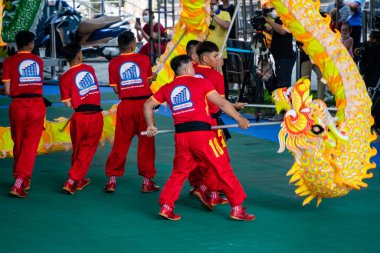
<point x="80" y="91"/>
<point x="195" y="177"/>
<point x="23" y="79"/>
<point x="205" y="182"/>
<point x="191" y="51"/>
<point x="130" y="75"/>
<point x="194" y="140"/>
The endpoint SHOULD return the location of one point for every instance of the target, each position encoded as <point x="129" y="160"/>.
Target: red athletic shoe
<point x="218" y="201"/>
<point x="242" y="215"/>
<point x="18" y="192"/>
<point x="26" y="184"/>
<point x="69" y="188"/>
<point x="202" y="196"/>
<point x="82" y="183"/>
<point x="150" y="187"/>
<point x="169" y="214"/>
<point x="110" y="187"/>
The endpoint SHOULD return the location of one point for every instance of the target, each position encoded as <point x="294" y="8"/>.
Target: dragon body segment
<point x="20" y="15"/>
<point x="332" y="154"/>
<point x="192" y="25"/>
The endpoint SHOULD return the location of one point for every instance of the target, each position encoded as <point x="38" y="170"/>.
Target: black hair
<point x="178" y="61"/>
<point x="71" y="50"/>
<point x="206" y="47"/>
<point x="191" y="44"/>
<point x="125" y="39"/>
<point x="24" y="38"/>
<point x="148" y="12"/>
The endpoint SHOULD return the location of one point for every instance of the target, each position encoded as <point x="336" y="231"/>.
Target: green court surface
<point x="127" y="220"/>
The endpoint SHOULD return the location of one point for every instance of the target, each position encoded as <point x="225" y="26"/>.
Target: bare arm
<point x="277" y="27"/>
<point x="149" y="116"/>
<point x="7" y="88"/>
<point x="239" y="106"/>
<point x="115" y="89"/>
<point x="228" y="108"/>
<point x="354" y="6"/>
<point x="224" y="24"/>
<point x="68" y="103"/>
<point x="143" y="35"/>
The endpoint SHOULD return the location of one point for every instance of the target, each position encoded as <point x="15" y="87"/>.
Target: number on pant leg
<point x="214" y="144"/>
<point x="221" y="138"/>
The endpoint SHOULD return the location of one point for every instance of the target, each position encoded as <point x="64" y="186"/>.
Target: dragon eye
<point x="317" y="129"/>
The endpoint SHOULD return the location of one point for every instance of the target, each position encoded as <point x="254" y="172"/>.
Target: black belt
<point x="88" y="108"/>
<point x="220" y="122"/>
<point x="216" y="115"/>
<point x="192" y="126"/>
<point x="28" y="96"/>
<point x="137" y="98"/>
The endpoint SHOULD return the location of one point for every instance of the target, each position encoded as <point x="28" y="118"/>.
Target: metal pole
<point x="169" y="54"/>
<point x="120" y="3"/>
<point x="229" y="29"/>
<point x="364" y="28"/>
<point x="219" y="127"/>
<point x="337" y="12"/>
<point x="152" y="60"/>
<point x="166" y="13"/>
<point x="159" y="28"/>
<point x="371" y="14"/>
<point x="173" y="13"/>
<point x="244" y="19"/>
<point x="273" y="106"/>
<point x="103" y="7"/>
<point x="53" y="51"/>
<point x="298" y="63"/>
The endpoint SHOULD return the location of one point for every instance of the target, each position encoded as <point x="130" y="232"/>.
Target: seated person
<point x="143" y="33"/>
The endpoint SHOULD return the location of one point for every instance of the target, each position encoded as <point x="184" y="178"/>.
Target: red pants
<point x="203" y="174"/>
<point x="193" y="148"/>
<point x="85" y="131"/>
<point x="26" y="116"/>
<point x="130" y="121"/>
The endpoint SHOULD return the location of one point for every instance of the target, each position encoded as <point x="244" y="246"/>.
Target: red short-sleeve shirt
<point x="186" y="96"/>
<point x="215" y="78"/>
<point x="130" y="73"/>
<point x="24" y="71"/>
<point x="155" y="29"/>
<point x="80" y="85"/>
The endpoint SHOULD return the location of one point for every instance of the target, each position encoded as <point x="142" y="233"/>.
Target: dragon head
<point x="307" y="123"/>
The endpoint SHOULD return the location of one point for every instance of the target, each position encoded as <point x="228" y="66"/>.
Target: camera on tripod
<point x="258" y="20"/>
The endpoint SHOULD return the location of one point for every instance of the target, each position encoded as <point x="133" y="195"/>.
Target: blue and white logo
<point x="130" y="74"/>
<point x="180" y="98"/>
<point x="85" y="82"/>
<point x="198" y="75"/>
<point x="29" y="71"/>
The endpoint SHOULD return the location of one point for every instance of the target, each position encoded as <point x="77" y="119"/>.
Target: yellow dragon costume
<point x="332" y="155"/>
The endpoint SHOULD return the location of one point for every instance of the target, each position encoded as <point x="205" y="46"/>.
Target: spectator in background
<point x="282" y="51"/>
<point x="337" y="19"/>
<point x="220" y="21"/>
<point x="370" y="60"/>
<point x="230" y="8"/>
<point x="143" y="33"/>
<point x="346" y="39"/>
<point x="355" y="20"/>
<point x="306" y="67"/>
